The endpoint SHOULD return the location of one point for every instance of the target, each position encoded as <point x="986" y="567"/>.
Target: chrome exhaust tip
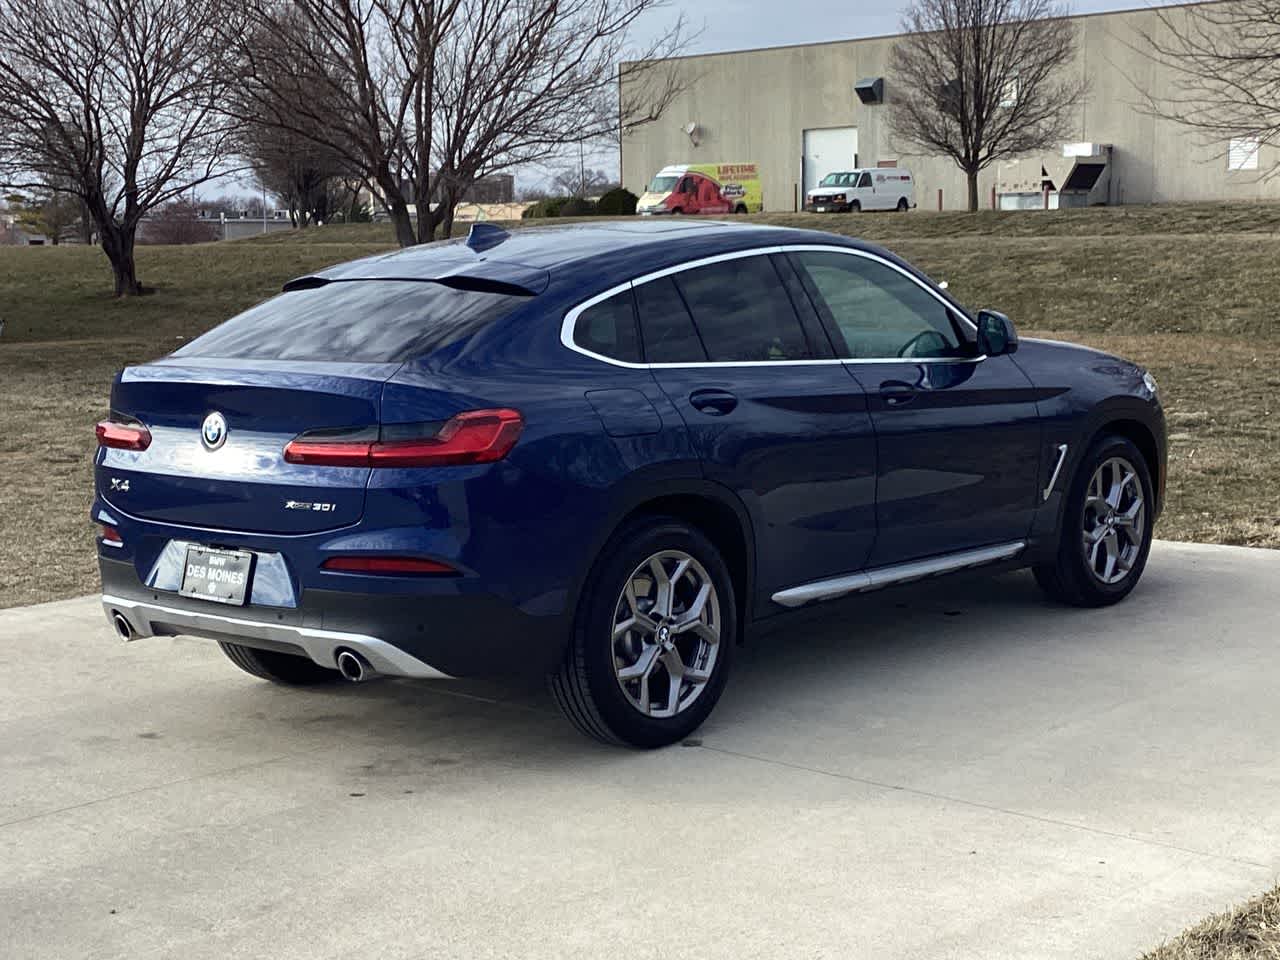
<point x="353" y="666"/>
<point x="124" y="629"/>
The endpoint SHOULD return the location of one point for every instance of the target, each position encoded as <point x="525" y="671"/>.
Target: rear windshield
<point x="662" y="184"/>
<point x="373" y="321"/>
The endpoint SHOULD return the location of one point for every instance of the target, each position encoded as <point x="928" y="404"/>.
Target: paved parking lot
<point x="950" y="770"/>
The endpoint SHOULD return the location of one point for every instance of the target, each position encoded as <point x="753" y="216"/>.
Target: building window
<point x="1009" y="93"/>
<point x="1242" y="153"/>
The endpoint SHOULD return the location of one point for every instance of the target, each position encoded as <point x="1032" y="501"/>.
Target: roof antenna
<point x="484" y="236"/>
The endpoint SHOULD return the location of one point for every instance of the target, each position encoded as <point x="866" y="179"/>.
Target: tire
<point x="588" y="688"/>
<point x="283" y="668"/>
<point x="740" y="208"/>
<point x="1079" y="574"/>
<point x="676" y="212"/>
<point x="903" y="206"/>
<point x="855" y="207"/>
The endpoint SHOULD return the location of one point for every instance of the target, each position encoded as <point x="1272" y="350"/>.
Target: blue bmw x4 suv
<point x="601" y="454"/>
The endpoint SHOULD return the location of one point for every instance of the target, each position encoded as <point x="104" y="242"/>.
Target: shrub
<point x="577" y="207"/>
<point x="550" y="207"/>
<point x="618" y="202"/>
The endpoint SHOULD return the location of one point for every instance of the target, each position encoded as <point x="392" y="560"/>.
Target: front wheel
<point x="653" y="637"/>
<point x="855" y="207"/>
<point x="1106" y="528"/>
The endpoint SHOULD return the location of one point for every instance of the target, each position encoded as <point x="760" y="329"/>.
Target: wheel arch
<point x="713" y="509"/>
<point x="1143" y="437"/>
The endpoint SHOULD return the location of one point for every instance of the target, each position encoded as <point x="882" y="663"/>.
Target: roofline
<point x="1149" y="8"/>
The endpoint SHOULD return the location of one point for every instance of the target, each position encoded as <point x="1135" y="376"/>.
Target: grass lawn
<point x="1250" y="931"/>
<point x="1188" y="291"/>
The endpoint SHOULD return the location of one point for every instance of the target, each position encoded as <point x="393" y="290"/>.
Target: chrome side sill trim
<point x="898" y="573"/>
<point x="1057" y="468"/>
<point x="322" y="646"/>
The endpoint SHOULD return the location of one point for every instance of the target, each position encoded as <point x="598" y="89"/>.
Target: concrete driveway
<point x="950" y="770"/>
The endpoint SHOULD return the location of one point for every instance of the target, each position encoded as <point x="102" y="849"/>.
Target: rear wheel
<point x="1106" y="528"/>
<point x="903" y="205"/>
<point x="653" y="638"/>
<point x="740" y="208"/>
<point x="285" y="668"/>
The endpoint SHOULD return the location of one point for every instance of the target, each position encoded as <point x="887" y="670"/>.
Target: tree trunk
<point x="973" y="190"/>
<point x="393" y="202"/>
<point x="117" y="244"/>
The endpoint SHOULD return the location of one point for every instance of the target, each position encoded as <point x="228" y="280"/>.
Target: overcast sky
<point x="743" y="24"/>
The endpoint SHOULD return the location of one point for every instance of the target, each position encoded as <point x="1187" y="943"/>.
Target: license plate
<point x="218" y="575"/>
<point x="822" y="209"/>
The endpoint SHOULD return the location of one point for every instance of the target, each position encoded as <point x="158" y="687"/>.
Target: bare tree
<point x="1225" y="62"/>
<point x="112" y="101"/>
<point x="177" y="222"/>
<point x="295" y="169"/>
<point x="981" y="80"/>
<point x="581" y="181"/>
<point x="424" y="97"/>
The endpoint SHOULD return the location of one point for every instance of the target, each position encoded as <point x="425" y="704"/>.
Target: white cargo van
<point x="876" y="188"/>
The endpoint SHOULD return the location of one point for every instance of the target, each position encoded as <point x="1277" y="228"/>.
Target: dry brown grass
<point x="1190" y="292"/>
<point x="1250" y="931"/>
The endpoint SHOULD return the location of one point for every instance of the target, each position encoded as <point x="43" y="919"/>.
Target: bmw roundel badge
<point x="213" y="433"/>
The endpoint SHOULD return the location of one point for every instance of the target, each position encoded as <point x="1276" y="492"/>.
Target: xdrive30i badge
<point x="213" y="432"/>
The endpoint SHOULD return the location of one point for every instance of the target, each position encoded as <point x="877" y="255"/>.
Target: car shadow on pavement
<point x="843" y="649"/>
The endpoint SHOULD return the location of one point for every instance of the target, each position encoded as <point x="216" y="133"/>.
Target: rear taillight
<point x="387" y="566"/>
<point x="111" y="535"/>
<point x="477" y="436"/>
<point x="123" y="435"/>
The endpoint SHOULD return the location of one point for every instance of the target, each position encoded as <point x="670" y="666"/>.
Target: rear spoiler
<point x="456" y="281"/>
<point x="437" y="265"/>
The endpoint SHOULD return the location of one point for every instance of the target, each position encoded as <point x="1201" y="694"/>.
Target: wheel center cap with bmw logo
<point x="213" y="433"/>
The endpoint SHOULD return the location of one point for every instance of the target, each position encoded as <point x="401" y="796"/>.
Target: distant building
<point x="801" y="112"/>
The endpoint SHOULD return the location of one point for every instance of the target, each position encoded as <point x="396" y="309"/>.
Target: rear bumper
<point x="405" y="635"/>
<point x="322" y="646"/>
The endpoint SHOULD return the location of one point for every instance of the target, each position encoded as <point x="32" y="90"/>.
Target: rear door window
<point x="609" y="328"/>
<point x="742" y="312"/>
<point x="374" y="321"/>
<point x="665" y="325"/>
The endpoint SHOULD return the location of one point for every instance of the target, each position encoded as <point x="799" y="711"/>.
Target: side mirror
<point x="996" y="334"/>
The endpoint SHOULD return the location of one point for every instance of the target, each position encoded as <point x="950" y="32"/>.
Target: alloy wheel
<point x="666" y="634"/>
<point x="1114" y="522"/>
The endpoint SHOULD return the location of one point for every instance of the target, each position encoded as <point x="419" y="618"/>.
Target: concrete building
<point x="796" y="112"/>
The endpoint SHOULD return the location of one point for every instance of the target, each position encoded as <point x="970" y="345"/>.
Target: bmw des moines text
<point x="601" y="454"/>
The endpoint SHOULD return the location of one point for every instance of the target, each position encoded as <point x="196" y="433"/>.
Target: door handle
<point x="896" y="393"/>
<point x="715" y="403"/>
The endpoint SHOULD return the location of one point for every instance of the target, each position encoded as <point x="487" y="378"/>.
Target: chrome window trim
<point x="571" y="317"/>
